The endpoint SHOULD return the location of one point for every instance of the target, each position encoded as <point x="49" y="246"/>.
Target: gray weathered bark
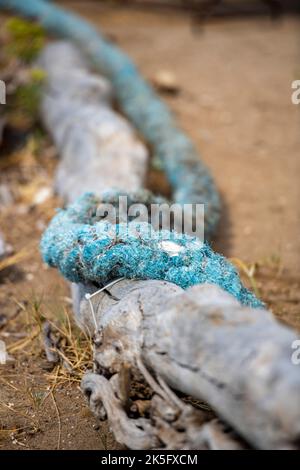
<point x="200" y="341"/>
<point x="99" y="148"/>
<point x="203" y="342"/>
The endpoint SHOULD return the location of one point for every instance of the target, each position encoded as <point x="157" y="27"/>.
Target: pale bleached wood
<point x="203" y="342"/>
<point x="99" y="149"/>
<point x="200" y="341"/>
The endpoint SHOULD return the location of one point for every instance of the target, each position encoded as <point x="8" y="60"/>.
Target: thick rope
<point x="189" y="177"/>
<point x="86" y="249"/>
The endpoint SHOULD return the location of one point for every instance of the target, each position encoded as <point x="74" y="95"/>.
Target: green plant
<point x="27" y="96"/>
<point x="25" y="39"/>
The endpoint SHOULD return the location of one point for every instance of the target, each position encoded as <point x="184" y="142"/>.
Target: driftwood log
<point x="99" y="148"/>
<point x="200" y="342"/>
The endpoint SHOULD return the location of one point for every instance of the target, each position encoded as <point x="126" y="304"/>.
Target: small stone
<point x="166" y="81"/>
<point x="3" y="354"/>
<point x="42" y="195"/>
<point x="2" y="247"/>
<point x="5" y="249"/>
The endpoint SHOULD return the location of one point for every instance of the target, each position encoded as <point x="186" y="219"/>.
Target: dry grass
<point x="250" y="271"/>
<point x="75" y="350"/>
<point x="24" y="157"/>
<point x="75" y="354"/>
<point x="15" y="258"/>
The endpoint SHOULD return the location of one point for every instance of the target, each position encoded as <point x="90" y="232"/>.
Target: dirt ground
<point x="235" y="102"/>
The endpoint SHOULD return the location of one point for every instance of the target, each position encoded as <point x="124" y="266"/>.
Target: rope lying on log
<point x="199" y="341"/>
<point x="85" y="249"/>
<point x="189" y="177"/>
<point x="85" y="252"/>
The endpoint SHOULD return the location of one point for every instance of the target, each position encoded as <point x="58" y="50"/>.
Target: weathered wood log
<point x="99" y="148"/>
<point x="172" y="424"/>
<point x="200" y="341"/>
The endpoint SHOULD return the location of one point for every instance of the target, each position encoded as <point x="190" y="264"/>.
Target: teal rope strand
<point x="87" y="249"/>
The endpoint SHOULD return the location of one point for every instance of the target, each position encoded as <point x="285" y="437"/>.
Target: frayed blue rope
<point x="190" y="179"/>
<point x="86" y="249"/>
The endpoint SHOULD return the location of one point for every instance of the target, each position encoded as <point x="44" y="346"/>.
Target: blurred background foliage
<point x="21" y="42"/>
<point x="25" y="39"/>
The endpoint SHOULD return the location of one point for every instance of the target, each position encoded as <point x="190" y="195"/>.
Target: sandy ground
<point x="235" y="102"/>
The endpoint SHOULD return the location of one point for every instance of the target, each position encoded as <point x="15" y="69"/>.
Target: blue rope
<point x="86" y="249"/>
<point x="187" y="174"/>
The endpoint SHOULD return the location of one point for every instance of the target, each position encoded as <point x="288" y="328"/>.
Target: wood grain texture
<point x="200" y="341"/>
<point x="99" y="149"/>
